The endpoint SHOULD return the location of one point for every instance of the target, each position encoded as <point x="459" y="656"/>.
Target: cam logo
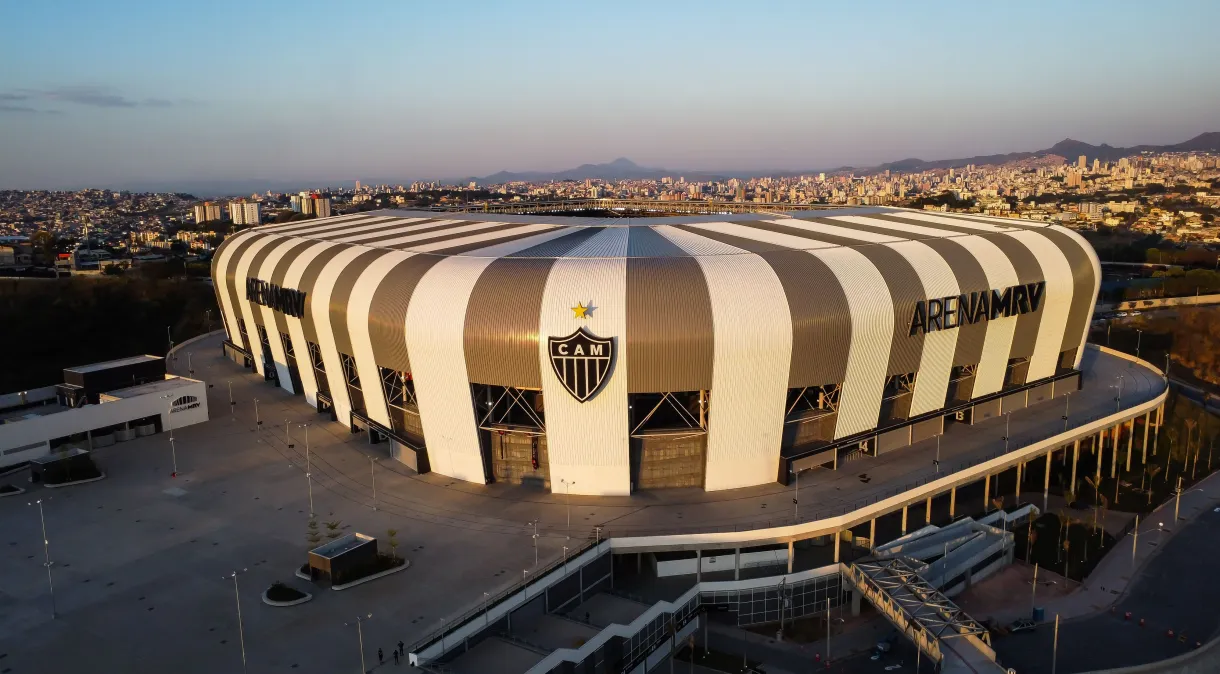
<point x="581" y="361"/>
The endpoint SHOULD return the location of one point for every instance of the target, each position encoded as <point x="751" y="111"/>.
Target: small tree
<point x="332" y="529"/>
<point x="311" y="534"/>
<point x="393" y="542"/>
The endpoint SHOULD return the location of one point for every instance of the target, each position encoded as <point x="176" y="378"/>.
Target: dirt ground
<point x="996" y="597"/>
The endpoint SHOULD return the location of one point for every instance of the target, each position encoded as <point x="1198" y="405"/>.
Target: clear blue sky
<point x="107" y="93"/>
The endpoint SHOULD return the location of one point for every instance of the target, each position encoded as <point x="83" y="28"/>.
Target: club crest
<point x="581" y="361"/>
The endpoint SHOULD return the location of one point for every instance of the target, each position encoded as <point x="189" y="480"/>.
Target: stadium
<point x="606" y="355"/>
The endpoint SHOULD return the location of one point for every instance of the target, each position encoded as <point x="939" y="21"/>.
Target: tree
<point x="332" y="529"/>
<point x="393" y="542"/>
<point x="112" y="270"/>
<point x="311" y="534"/>
<point x="46" y="245"/>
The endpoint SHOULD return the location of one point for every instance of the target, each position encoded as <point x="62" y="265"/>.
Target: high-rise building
<point x="1082" y="163"/>
<point x="357" y="185"/>
<point x="207" y="212"/>
<point x="320" y="206"/>
<point x="244" y="212"/>
<point x="1096" y="166"/>
<point x="1072" y="179"/>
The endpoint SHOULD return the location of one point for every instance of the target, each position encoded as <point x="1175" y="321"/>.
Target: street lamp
<point x="568" y="489"/>
<point x="241" y="632"/>
<point x="46" y="551"/>
<point x="1007" y="426"/>
<point x="169" y="410"/>
<point x="373" y="475"/>
<point x="190" y="369"/>
<point x="308" y="471"/>
<point x="1067" y="405"/>
<point x="360" y="636"/>
<point x="796" y="496"/>
<point x="1118" y="398"/>
<point x="1138" y="336"/>
<point x="257" y="422"/>
<point x="534" y="523"/>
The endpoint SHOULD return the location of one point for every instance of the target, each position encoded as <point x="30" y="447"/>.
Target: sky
<point x="126" y="93"/>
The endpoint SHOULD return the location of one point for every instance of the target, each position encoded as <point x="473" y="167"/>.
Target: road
<point x="1177" y="590"/>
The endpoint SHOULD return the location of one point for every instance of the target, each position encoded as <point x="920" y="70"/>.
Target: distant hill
<point x="625" y="169"/>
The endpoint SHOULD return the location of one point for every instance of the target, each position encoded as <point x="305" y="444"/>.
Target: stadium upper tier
<point x="668" y="351"/>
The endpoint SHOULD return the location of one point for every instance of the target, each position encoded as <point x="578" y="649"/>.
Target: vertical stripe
<point x="230" y="251"/>
<point x="241" y="273"/>
<point x="1084" y="316"/>
<point x="997" y="344"/>
<point x="588" y="444"/>
<point x="265" y="272"/>
<point x="936" y="360"/>
<point x="1055" y="306"/>
<point x="435" y="325"/>
<point x="359" y="302"/>
<point x="319" y="309"/>
<point x="752" y="352"/>
<point x="296" y="326"/>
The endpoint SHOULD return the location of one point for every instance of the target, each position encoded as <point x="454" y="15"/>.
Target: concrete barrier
<point x="1202" y="660"/>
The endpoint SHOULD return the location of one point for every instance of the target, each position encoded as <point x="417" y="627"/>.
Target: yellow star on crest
<point x="580" y="310"/>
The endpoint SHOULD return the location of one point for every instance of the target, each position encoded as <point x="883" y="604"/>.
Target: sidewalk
<point x="1112" y="576"/>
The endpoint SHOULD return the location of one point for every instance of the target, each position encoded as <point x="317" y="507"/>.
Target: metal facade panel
<point x="291" y="228"/>
<point x="485" y="238"/>
<point x="320" y="310"/>
<point x="821" y="323"/>
<point x="588" y="444"/>
<point x="936" y="361"/>
<point x="669" y="326"/>
<point x="752" y="351"/>
<point x="997" y="343"/>
<point x="360" y="300"/>
<point x="1056" y="304"/>
<point x="339" y="233"/>
<point x="296" y="326"/>
<point x="277" y="275"/>
<point x="756" y="231"/>
<point x="501" y="330"/>
<point x="1086" y="270"/>
<point x="404" y="228"/>
<point x="340" y="295"/>
<point x="872" y="320"/>
<point x="388" y="311"/>
<point x="436" y="234"/>
<point x="226" y="267"/>
<point x="241" y="271"/>
<point x="308" y="283"/>
<point x="272" y="319"/>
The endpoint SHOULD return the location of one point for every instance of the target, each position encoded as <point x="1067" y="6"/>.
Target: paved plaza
<point x="142" y="561"/>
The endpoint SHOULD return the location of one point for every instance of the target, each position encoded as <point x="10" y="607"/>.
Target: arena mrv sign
<point x="955" y="311"/>
<point x="287" y="301"/>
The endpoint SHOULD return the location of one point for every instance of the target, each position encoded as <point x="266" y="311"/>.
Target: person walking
<point x="380" y="657"/>
<point x="401" y="653"/>
<point x="395" y="658"/>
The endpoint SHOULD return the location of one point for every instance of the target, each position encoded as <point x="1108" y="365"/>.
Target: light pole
<point x="1067" y="405"/>
<point x="207" y="315"/>
<point x="568" y="490"/>
<point x="190" y="369"/>
<point x="796" y="495"/>
<point x="360" y="636"/>
<point x="169" y="411"/>
<point x="1007" y="426"/>
<point x="169" y="336"/>
<point x="257" y="423"/>
<point x="486" y="613"/>
<point x="1055" y="648"/>
<point x="534" y="523"/>
<point x="232" y="404"/>
<point x="1118" y="398"/>
<point x="46" y="551"/>
<point x="308" y="467"/>
<point x="1138" y="336"/>
<point x="936" y="461"/>
<point x="373" y="475"/>
<point x="241" y="632"/>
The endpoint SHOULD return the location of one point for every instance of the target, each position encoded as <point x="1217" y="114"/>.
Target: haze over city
<point x="141" y="95"/>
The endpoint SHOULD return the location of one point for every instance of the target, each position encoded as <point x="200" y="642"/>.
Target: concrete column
<point x="872" y="534"/>
<point x="639" y="562"/>
<point x="791" y="556"/>
<point x="904" y="520"/>
<point x="855" y="603"/>
<point x="1160" y="419"/>
<point x="927" y="511"/>
<point x="737" y="564"/>
<point x="952" y="502"/>
<point x="699" y="566"/>
<point x="1147" y="424"/>
<point x="1046" y="479"/>
<point x="838" y="536"/>
<point x="1097" y="447"/>
<point x="986" y="492"/>
<point x="1075" y="458"/>
<point x="1130" y="443"/>
<point x="1017" y="490"/>
<point x="1114" y="455"/>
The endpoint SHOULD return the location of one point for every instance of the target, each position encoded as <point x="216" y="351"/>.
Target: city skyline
<point x="119" y="98"/>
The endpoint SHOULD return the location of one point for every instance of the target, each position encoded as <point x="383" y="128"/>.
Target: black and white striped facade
<point x="424" y="322"/>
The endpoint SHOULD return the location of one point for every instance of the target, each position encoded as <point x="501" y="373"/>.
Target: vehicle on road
<point x="1023" y="625"/>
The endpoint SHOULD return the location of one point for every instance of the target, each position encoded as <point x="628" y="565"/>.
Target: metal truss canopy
<point x="922" y="603"/>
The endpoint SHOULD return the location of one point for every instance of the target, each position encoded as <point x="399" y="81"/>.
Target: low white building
<point x="36" y="422"/>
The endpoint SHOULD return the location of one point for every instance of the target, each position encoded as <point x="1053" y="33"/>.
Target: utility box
<point x="343" y="559"/>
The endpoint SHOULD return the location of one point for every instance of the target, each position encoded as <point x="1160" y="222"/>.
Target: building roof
<point x="341" y="545"/>
<point x="106" y="365"/>
<point x="170" y="383"/>
<point x="556" y="236"/>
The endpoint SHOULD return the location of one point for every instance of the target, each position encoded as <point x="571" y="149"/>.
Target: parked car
<point x="1023" y="625"/>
